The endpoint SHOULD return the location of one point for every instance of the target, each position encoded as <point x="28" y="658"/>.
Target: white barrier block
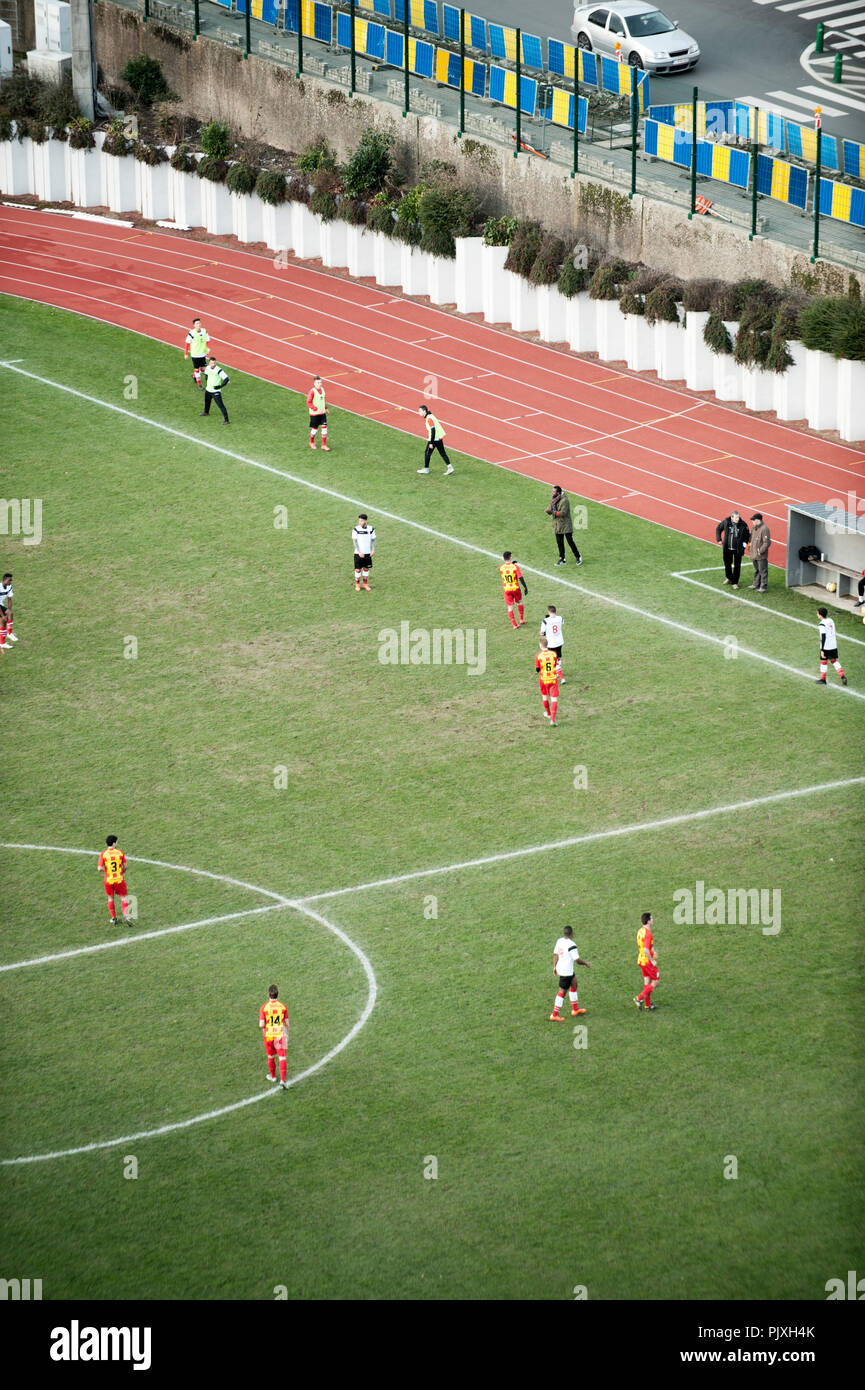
<point x="582" y="323"/>
<point x="468" y="274"/>
<point x="185" y="194"/>
<point x="413" y="270"/>
<point x="47" y="171"/>
<point x="334" y="237"/>
<point x="821" y="390"/>
<point x="306" y="232"/>
<point x="83" y="177"/>
<point x="14" y="168"/>
<point x="610" y="330"/>
<point x="118" y="182"/>
<point x="276" y="226"/>
<point x="216" y="208"/>
<point x="758" y="388"/>
<point x="727" y="383"/>
<point x="495" y="290"/>
<point x="552" y="314"/>
<point x="387" y="257"/>
<point x="670" y="351"/>
<point x="850" y="412"/>
<point x="788" y="388"/>
<point x="153" y="194"/>
<point x="524" y="304"/>
<point x="360" y="249"/>
<point x="699" y="364"/>
<point x="639" y="343"/>
<point x="441" y="273"/>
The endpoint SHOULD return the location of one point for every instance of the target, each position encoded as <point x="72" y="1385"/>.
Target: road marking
<point x="836" y="96"/>
<point x="426" y="530"/>
<point x="779" y="110"/>
<point x="372" y="995"/>
<point x="751" y="603"/>
<point x="667" y="823"/>
<point x="808" y="104"/>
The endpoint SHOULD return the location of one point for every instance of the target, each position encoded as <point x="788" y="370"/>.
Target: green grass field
<point x="256" y="735"/>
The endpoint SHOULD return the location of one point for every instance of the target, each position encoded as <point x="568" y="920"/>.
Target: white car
<point x="648" y="39"/>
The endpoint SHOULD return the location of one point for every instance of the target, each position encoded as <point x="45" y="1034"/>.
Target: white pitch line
<point x="427" y="530"/>
<point x="591" y="838"/>
<point x="751" y="603"/>
<point x="372" y="995"/>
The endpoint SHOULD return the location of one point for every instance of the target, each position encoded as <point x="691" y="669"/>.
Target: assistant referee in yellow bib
<point x="435" y="436"/>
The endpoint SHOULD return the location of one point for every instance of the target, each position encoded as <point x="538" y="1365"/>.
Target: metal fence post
<point x="405" y="58"/>
<point x="462" y="73"/>
<point x="353" y="52"/>
<point x="634" y="106"/>
<point x="146" y="10"/>
<point x="195" y="21"/>
<point x="818" y="46"/>
<point x="519" y="83"/>
<point x="248" y="18"/>
<point x="576" y="168"/>
<point x="816" y="251"/>
<point x="755" y="148"/>
<point x="299" y="72"/>
<point x="693" y="154"/>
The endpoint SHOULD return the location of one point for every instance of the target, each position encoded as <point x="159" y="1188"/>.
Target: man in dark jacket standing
<point x="760" y="542"/>
<point x="563" y="527"/>
<point x="736" y="536"/>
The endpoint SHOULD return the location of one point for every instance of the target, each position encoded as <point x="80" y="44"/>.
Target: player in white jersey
<point x="6" y="633"/>
<point x="828" y="647"/>
<point x="363" y="540"/>
<point x="551" y="628"/>
<point x="565" y="957"/>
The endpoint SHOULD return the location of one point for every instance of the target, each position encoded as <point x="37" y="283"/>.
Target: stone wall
<point x="265" y="101"/>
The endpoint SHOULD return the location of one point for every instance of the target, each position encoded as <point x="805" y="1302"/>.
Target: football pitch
<point x="397" y="844"/>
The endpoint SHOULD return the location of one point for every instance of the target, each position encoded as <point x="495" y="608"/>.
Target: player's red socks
<point x="554" y="706"/>
<point x="522" y="612"/>
<point x="514" y="622"/>
<point x="283" y="1068"/>
<point x="271" y="1067"/>
<point x="124" y="907"/>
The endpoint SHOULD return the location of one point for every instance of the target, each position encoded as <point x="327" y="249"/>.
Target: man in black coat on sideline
<point x="733" y="535"/>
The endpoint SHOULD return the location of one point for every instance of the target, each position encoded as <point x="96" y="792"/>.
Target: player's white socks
<point x="573" y="996"/>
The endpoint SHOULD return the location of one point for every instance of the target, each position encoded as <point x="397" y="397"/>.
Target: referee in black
<point x="214" y="380"/>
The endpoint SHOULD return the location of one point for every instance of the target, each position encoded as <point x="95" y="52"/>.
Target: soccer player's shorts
<point x="650" y="972"/>
<point x="199" y="363"/>
<point x="112" y="888"/>
<point x="557" y="652"/>
<point x="2" y="610"/>
<point x="551" y="689"/>
<point x="363" y="562"/>
<point x="275" y="1047"/>
<point x="316" y="420"/>
<point x="830" y="653"/>
<point x="566" y="982"/>
<point x="513" y="596"/>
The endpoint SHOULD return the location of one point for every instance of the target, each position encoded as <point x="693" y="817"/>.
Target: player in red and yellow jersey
<point x="549" y="670"/>
<point x="273" y="1018"/>
<point x="112" y="863"/>
<point x="647" y="961"/>
<point x="512" y="578"/>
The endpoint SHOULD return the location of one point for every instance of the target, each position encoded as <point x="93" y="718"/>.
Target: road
<point x="750" y="49"/>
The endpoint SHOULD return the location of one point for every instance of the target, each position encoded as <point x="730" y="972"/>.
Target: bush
<point x="836" y="326"/>
<point x="577" y="272"/>
<point x="662" y="303"/>
<point x="270" y="187"/>
<point x="183" y="160"/>
<point x="317" y="156"/>
<point x="715" y="334"/>
<point x="326" y="184"/>
<point x="149" y="154"/>
<point x="407" y="227"/>
<point x="143" y="76"/>
<point x="787" y="317"/>
<point x="81" y="135"/>
<point x="778" y="358"/>
<point x="216" y="140"/>
<point x="609" y="278"/>
<point x="241" y="178"/>
<point x="56" y="106"/>
<point x="730" y="299"/>
<point x="631" y="303"/>
<point x="548" y="262"/>
<point x="35" y="130"/>
<point x="5" y="126"/>
<point x="213" y="169"/>
<point x="20" y="95"/>
<point x="445" y="211"/>
<point x="380" y="215"/>
<point x="499" y="231"/>
<point x="116" y="141"/>
<point x="369" y="168"/>
<point x="297" y="191"/>
<point x="524" y="248"/>
<point x="699" y="295"/>
<point x="352" y="211"/>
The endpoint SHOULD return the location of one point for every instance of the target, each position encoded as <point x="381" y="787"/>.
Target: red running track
<point x="653" y="450"/>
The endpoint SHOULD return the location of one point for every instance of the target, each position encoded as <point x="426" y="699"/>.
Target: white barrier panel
<point x="413" y="270"/>
<point x="610" y="330"/>
<point x="582" y="323"/>
<point x="387" y="256"/>
<point x="850" y="410"/>
<point x="759" y="388"/>
<point x="699" y="372"/>
<point x="639" y="343"/>
<point x="821" y="391"/>
<point x="15" y="168"/>
<point x="552" y="314"/>
<point x="524" y="304"/>
<point x="276" y="226"/>
<point x="468" y="272"/>
<point x="306" y="232"/>
<point x="334" y="239"/>
<point x="119" y="191"/>
<point x="185" y="194"/>
<point x="360" y="249"/>
<point x="670" y="351"/>
<point x="442" y="280"/>
<point x="153" y="192"/>
<point x="47" y="171"/>
<point x="788" y="391"/>
<point x="247" y="214"/>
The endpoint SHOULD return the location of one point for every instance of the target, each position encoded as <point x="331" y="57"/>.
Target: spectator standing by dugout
<point x="760" y="542"/>
<point x="435" y="436"/>
<point x="317" y="404"/>
<point x="563" y="527"/>
<point x="732" y="535"/>
<point x="214" y="380"/>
